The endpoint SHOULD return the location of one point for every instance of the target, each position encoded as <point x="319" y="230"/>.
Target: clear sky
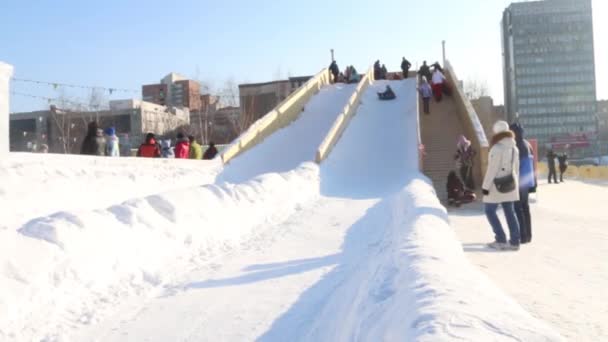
<point x="124" y="44"/>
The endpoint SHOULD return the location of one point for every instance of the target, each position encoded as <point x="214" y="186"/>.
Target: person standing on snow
<point x="112" y="143"/>
<point x="426" y="93"/>
<point x="563" y="165"/>
<point x="166" y="150"/>
<point x="182" y="147"/>
<point x="195" y="151"/>
<point x="405" y="67"/>
<point x="527" y="183"/>
<point x="211" y="151"/>
<point x="94" y="143"/>
<point x="149" y="149"/>
<point x="551" y="165"/>
<point x="500" y="186"/>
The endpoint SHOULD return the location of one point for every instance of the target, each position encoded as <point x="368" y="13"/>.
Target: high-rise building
<point x="549" y="67"/>
<point x="174" y="91"/>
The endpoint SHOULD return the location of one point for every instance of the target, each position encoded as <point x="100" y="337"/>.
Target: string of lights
<point x="57" y="85"/>
<point x="49" y="100"/>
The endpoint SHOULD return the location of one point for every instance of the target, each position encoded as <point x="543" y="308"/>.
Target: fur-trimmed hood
<point x="502" y="135"/>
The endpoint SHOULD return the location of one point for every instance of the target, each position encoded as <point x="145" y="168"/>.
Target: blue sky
<point x="124" y="44"/>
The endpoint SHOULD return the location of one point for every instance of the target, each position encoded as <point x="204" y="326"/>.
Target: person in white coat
<point x="503" y="160"/>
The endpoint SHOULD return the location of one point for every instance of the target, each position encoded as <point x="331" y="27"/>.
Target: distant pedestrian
<point x="112" y="143"/>
<point x="563" y="165"/>
<point x="377" y="71"/>
<point x="438" y="84"/>
<point x="182" y="147"/>
<point x="551" y="165"/>
<point x="425" y="71"/>
<point x="354" y="75"/>
<point x="334" y="70"/>
<point x="44" y="148"/>
<point x="94" y="143"/>
<point x="527" y="183"/>
<point x="500" y="186"/>
<point x="426" y="93"/>
<point x="149" y="149"/>
<point x="211" y="151"/>
<point x="384" y="72"/>
<point x="196" y="151"/>
<point x="166" y="150"/>
<point x="405" y="67"/>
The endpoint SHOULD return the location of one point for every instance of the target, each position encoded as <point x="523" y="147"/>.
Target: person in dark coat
<point x="551" y="164"/>
<point x="405" y="67"/>
<point x="94" y="144"/>
<point x="150" y="148"/>
<point x="377" y="71"/>
<point x="527" y="183"/>
<point x="211" y="151"/>
<point x="384" y="72"/>
<point x="457" y="194"/>
<point x="388" y="94"/>
<point x="335" y="70"/>
<point x="563" y="165"/>
<point x="425" y="71"/>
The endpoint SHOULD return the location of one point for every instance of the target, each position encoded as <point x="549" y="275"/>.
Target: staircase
<point x="439" y="132"/>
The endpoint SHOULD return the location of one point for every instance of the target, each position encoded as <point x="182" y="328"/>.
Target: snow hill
<point x="277" y="249"/>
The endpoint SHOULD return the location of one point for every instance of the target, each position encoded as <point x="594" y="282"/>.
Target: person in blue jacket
<point x="527" y="183"/>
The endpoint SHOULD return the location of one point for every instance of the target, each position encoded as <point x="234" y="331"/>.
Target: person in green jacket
<point x="196" y="150"/>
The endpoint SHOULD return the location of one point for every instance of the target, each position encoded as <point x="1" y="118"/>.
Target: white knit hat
<point x="500" y="126"/>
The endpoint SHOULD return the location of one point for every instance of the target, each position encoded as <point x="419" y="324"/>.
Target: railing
<point x="343" y="118"/>
<point x="282" y="115"/>
<point x="470" y="121"/>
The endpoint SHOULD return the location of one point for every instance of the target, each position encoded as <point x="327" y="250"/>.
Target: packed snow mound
<point x="35" y="185"/>
<point x="413" y="283"/>
<point x="295" y="144"/>
<point x="68" y="266"/>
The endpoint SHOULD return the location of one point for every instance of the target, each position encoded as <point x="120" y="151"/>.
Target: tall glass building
<point x="549" y="68"/>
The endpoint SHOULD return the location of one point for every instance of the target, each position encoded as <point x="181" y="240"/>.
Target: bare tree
<point x="474" y="88"/>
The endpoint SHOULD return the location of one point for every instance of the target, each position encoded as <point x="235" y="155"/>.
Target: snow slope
<point x="357" y="250"/>
<point x="562" y="276"/>
<point x="35" y="185"/>
<point x="294" y="144"/>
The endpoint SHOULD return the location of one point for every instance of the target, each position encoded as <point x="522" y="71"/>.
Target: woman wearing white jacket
<point x="503" y="161"/>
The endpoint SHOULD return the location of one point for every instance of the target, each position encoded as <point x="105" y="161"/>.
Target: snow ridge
<point x="80" y="261"/>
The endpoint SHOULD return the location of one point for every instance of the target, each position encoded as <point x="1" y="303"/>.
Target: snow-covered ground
<point x="358" y="249"/>
<point x="34" y="185"/>
<point x="562" y="276"/>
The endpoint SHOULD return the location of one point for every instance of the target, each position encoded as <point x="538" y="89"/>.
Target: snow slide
<point x="289" y="147"/>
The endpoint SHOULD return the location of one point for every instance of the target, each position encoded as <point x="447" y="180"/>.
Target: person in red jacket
<point x="182" y="147"/>
<point x="149" y="149"/>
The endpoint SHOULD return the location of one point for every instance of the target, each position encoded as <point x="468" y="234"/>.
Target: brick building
<point x="174" y="90"/>
<point x="257" y="99"/>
